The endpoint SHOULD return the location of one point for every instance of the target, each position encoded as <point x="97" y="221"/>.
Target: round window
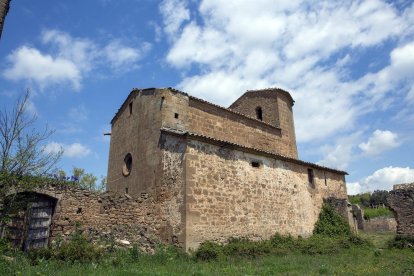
<point x="126" y="168"/>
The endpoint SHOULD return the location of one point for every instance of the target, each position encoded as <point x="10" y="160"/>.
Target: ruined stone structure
<point x="401" y="201"/>
<point x="213" y="172"/>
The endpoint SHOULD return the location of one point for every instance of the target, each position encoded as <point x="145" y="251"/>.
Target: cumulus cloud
<point x="380" y="141"/>
<point x="382" y="179"/>
<point x="174" y="13"/>
<point x="70" y="59"/>
<point x="341" y="153"/>
<point x="75" y="150"/>
<point x="296" y="46"/>
<point x="30" y="64"/>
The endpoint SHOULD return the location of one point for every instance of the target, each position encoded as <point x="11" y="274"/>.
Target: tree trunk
<point x="4" y="8"/>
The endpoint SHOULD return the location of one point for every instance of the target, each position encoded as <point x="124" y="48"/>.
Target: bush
<point x="402" y="241"/>
<point x="38" y="255"/>
<point x="5" y="246"/>
<point x="208" y="251"/>
<point x="330" y="223"/>
<point x="243" y="247"/>
<point x="78" y="249"/>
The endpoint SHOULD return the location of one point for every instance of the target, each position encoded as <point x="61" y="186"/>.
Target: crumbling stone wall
<point x="226" y="196"/>
<point x="103" y="215"/>
<point x="401" y="201"/>
<point x="380" y="224"/>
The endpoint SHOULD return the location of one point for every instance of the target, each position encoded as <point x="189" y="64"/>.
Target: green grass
<point x="370" y="213"/>
<point x="315" y="256"/>
<point x="355" y="261"/>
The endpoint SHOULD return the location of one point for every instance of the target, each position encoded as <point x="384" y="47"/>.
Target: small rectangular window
<point x="130" y="108"/>
<point x="311" y="179"/>
<point x="176" y="115"/>
<point x="126" y="190"/>
<point x="255" y="164"/>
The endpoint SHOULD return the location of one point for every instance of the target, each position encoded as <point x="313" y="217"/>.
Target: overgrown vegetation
<point x="374" y="205"/>
<point x="366" y="200"/>
<point x="338" y="252"/>
<point x="370" y="213"/>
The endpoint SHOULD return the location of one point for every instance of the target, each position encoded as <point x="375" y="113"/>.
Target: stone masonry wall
<point x="401" y="201"/>
<point x="276" y="110"/>
<point x="103" y="215"/>
<point x="208" y="120"/>
<point x="226" y="196"/>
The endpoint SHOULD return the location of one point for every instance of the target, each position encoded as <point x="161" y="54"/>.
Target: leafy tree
<point x="21" y="152"/>
<point x="378" y="197"/>
<point x="23" y="159"/>
<point x="85" y="180"/>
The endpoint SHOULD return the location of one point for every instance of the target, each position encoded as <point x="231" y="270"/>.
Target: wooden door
<point x="29" y="227"/>
<point x="39" y="218"/>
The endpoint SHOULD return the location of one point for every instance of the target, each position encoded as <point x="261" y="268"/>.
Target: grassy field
<point x="372" y="259"/>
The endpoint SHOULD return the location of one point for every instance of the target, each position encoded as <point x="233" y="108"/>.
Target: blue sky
<point x="348" y="64"/>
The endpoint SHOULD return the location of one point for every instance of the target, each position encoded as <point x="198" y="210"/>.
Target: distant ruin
<point x="401" y="201"/>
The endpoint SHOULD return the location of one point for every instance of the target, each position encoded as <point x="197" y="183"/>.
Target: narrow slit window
<point x="259" y="113"/>
<point x="311" y="179"/>
<point x="126" y="190"/>
<point x="130" y="108"/>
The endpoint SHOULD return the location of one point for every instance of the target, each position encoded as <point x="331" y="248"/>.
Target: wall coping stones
<point x="404" y="186"/>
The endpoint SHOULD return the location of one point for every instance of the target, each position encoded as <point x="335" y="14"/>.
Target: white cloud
<point x="75" y="150"/>
<point x="30" y="64"/>
<point x="174" y="14"/>
<point x="306" y="49"/>
<point x="382" y="179"/>
<point x="122" y="57"/>
<point x="380" y="141"/>
<point x="70" y="59"/>
<point x="342" y="153"/>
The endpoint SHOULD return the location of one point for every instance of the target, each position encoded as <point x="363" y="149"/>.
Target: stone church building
<point x="214" y="172"/>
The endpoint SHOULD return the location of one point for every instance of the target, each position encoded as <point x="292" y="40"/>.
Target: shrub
<point x="208" y="251"/>
<point x="402" y="241"/>
<point x="135" y="252"/>
<point x="78" y="249"/>
<point x="5" y="246"/>
<point x="243" y="247"/>
<point x="38" y="255"/>
<point x="330" y="223"/>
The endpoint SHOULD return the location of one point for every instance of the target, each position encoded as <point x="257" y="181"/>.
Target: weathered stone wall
<point x="138" y="134"/>
<point x="214" y="122"/>
<point x="380" y="224"/>
<point x="401" y="201"/>
<point x="226" y="196"/>
<point x="170" y="192"/>
<point x="276" y="108"/>
<point x="99" y="215"/>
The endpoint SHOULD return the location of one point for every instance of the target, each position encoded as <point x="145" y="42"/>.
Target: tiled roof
<point x="245" y="148"/>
